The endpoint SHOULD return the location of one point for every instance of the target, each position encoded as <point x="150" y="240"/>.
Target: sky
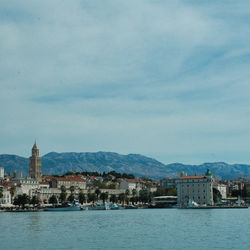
<point x="168" y="79"/>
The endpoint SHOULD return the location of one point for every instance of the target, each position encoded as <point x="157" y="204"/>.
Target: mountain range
<point x="139" y="165"/>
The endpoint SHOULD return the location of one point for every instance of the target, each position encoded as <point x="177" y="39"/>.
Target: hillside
<point x="139" y="165"/>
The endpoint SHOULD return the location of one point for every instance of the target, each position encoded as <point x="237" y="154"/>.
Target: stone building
<point x="35" y="171"/>
<point x="69" y="181"/>
<point x="197" y="188"/>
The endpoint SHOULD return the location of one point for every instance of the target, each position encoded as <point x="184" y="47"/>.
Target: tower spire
<point x="35" y="163"/>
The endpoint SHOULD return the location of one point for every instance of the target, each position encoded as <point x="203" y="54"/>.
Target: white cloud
<point x="162" y="78"/>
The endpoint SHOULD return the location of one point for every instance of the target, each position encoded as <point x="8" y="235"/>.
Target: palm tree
<point x="122" y="198"/>
<point x="63" y="189"/>
<point x="134" y="192"/>
<point x="21" y="200"/>
<point x="53" y="199"/>
<point x="127" y="196"/>
<point x="62" y="197"/>
<point x="81" y="197"/>
<point x="12" y="193"/>
<point x="92" y="197"/>
<point x="97" y="192"/>
<point x="72" y="189"/>
<point x="71" y="198"/>
<point x="104" y="196"/>
<point x="113" y="198"/>
<point x="34" y="200"/>
<point x="1" y="192"/>
<point x="63" y="194"/>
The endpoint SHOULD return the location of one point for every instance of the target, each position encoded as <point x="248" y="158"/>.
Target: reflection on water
<point x="33" y="222"/>
<point x="127" y="229"/>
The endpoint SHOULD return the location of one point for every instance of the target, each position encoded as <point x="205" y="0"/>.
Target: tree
<point x="22" y="200"/>
<point x="34" y="201"/>
<point x="12" y="193"/>
<point x="62" y="197"/>
<point x="71" y="198"/>
<point x="127" y="193"/>
<point x="111" y="186"/>
<point x="1" y="192"/>
<point x="170" y="191"/>
<point x="121" y="198"/>
<point x="145" y="196"/>
<point x="63" y="194"/>
<point x="97" y="192"/>
<point x="104" y="196"/>
<point x="113" y="198"/>
<point x="81" y="197"/>
<point x="72" y="189"/>
<point x="134" y="192"/>
<point x="92" y="197"/>
<point x="53" y="199"/>
<point x="63" y="189"/>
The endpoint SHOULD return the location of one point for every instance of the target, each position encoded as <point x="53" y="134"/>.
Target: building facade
<point x="35" y="170"/>
<point x="197" y="188"/>
<point x="69" y="181"/>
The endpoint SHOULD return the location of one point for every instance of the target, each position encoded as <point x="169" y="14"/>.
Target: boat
<point x="114" y="206"/>
<point x="104" y="206"/>
<point x="192" y="204"/>
<point x="74" y="206"/>
<point x="163" y="202"/>
<point x="130" y="206"/>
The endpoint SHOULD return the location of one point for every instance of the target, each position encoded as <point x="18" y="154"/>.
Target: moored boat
<point x="74" y="206"/>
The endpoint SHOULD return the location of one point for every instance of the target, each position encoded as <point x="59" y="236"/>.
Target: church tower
<point x="35" y="164"/>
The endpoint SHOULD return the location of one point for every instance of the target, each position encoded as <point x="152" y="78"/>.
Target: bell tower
<point x="35" y="164"/>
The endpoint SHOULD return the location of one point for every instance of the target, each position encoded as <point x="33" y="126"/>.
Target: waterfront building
<point x="6" y="199"/>
<point x="197" y="188"/>
<point x="35" y="170"/>
<point x="168" y="182"/>
<point x="68" y="181"/>
<point x="25" y="185"/>
<point x="222" y="188"/>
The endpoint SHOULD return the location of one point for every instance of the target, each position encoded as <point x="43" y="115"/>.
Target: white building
<point x="1" y="173"/>
<point x="6" y="199"/>
<point x="25" y="185"/>
<point x="130" y="184"/>
<point x="197" y="188"/>
<point x="222" y="188"/>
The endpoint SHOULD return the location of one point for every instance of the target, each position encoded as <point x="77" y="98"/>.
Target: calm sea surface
<point x="127" y="229"/>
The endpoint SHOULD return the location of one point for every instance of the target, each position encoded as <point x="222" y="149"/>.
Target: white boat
<point x="74" y="206"/>
<point x="104" y="206"/>
<point x="114" y="206"/>
<point x="192" y="204"/>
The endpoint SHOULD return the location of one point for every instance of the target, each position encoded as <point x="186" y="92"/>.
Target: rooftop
<point x="70" y="178"/>
<point x="193" y="177"/>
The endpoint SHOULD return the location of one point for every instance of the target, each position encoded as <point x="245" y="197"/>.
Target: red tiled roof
<point x="193" y="177"/>
<point x="70" y="178"/>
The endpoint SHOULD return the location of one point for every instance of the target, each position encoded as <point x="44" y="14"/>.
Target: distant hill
<point x="139" y="165"/>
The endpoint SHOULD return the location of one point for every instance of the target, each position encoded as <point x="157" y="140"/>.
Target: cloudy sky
<point x="167" y="79"/>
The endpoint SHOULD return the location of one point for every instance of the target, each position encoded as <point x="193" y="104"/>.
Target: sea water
<point x="127" y="229"/>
